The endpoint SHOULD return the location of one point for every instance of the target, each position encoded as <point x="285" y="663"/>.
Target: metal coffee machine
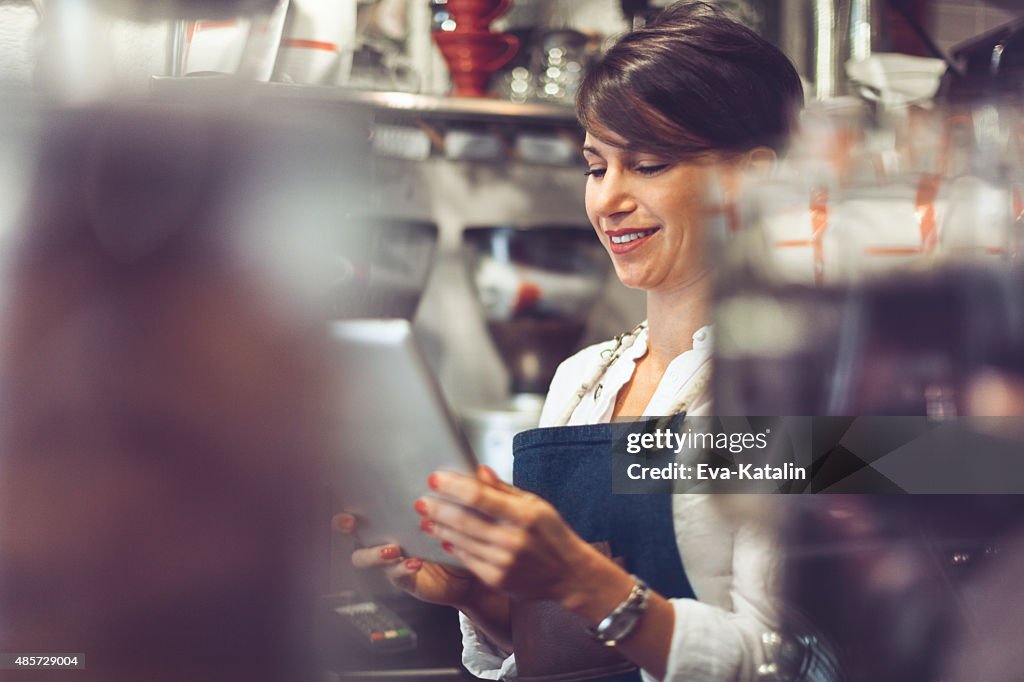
<point x="382" y="266"/>
<point x="536" y="287"/>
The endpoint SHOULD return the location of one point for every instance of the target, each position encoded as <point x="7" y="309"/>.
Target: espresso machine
<point x="536" y="287"/>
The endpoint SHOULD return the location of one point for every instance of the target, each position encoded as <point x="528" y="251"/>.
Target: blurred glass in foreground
<point x="164" y="397"/>
<point x="897" y="588"/>
<point x="879" y="270"/>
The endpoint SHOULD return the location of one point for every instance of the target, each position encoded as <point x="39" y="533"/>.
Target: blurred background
<point x="485" y="163"/>
<point x="419" y="159"/>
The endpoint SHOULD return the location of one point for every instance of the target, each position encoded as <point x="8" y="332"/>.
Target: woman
<point x="690" y="99"/>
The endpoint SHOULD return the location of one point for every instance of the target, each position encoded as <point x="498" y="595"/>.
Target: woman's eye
<point x="596" y="172"/>
<point x="651" y="169"/>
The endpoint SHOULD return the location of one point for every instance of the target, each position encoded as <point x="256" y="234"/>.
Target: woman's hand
<point x="435" y="583"/>
<point x="425" y="580"/>
<point x="512" y="540"/>
<point x="518" y="544"/>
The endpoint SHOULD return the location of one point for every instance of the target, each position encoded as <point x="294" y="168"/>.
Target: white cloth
<point x="598" y="403"/>
<point x="731" y="566"/>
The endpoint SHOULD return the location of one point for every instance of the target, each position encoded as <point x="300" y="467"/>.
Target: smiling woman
<point x="651" y="229"/>
<point x="564" y="580"/>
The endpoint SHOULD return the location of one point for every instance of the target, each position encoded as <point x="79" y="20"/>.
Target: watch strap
<point x="623" y="619"/>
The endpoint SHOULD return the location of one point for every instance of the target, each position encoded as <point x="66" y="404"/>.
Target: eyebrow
<point x="630" y="155"/>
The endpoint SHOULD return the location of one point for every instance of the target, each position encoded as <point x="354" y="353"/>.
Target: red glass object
<point x="472" y="16"/>
<point x="473" y="57"/>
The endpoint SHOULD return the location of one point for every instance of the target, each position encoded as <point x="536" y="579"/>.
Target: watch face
<point x="618" y="624"/>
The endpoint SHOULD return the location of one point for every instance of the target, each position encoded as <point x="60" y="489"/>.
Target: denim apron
<point x="570" y="467"/>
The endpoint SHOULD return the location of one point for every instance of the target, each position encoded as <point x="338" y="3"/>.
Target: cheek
<point x="685" y="210"/>
<point x="588" y="205"/>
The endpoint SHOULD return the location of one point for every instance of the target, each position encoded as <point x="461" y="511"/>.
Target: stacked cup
<point x="318" y="42"/>
<point x="474" y="52"/>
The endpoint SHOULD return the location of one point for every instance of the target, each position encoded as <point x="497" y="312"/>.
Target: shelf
<point x="398" y="104"/>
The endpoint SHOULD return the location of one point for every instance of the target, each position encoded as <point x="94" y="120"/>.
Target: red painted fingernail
<point x="347" y="523"/>
<point x="413" y="564"/>
<point x="421" y="507"/>
<point x="388" y="553"/>
<point x="434" y="481"/>
<point x="448" y="547"/>
<point x="426" y="525"/>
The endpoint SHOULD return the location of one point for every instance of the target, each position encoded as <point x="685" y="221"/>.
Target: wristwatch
<point x="618" y="624"/>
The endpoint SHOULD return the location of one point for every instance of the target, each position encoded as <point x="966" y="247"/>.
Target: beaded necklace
<point x="611" y="355"/>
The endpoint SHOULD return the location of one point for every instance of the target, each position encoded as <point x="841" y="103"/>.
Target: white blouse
<point x="598" y="403"/>
<point x="731" y="566"/>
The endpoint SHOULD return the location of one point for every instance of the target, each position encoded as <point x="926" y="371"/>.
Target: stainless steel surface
<point x="148" y="10"/>
<point x="177" y="44"/>
<point x="842" y="31"/>
<point x="819" y="36"/>
<point x="826" y="58"/>
<point x="536" y="286"/>
<point x="860" y="29"/>
<point x="383" y="265"/>
<point x="429" y="105"/>
<point x="424" y="106"/>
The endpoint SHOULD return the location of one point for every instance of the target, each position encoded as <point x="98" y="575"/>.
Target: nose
<point x="610" y="196"/>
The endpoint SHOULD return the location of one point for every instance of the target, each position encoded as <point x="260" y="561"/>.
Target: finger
<point x="480" y="549"/>
<point x="467" y="522"/>
<point x="500" y="504"/>
<point x="401" y="571"/>
<point x="375" y="557"/>
<point x="344" y="523"/>
<point x="491" y="478"/>
<point x="486" y="572"/>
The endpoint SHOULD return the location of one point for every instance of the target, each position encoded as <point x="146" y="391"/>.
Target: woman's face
<point x="648" y="212"/>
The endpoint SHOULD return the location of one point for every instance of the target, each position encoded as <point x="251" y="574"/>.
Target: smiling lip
<point x="624" y="241"/>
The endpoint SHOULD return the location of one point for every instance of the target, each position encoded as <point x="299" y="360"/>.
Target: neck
<point x="674" y="315"/>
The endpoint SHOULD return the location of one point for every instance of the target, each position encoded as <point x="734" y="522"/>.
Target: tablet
<point x="393" y="429"/>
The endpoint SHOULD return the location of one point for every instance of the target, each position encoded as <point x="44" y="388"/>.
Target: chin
<point x="633" y="280"/>
<point x="638" y="272"/>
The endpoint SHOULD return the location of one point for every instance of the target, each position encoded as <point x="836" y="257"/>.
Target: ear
<point x="761" y="160"/>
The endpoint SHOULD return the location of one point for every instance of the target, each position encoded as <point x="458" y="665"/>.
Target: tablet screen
<point x="393" y="429"/>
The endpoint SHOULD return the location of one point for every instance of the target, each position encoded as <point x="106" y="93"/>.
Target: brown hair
<point x="692" y="81"/>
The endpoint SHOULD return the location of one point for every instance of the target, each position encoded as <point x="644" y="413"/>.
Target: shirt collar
<point x="703" y="338"/>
